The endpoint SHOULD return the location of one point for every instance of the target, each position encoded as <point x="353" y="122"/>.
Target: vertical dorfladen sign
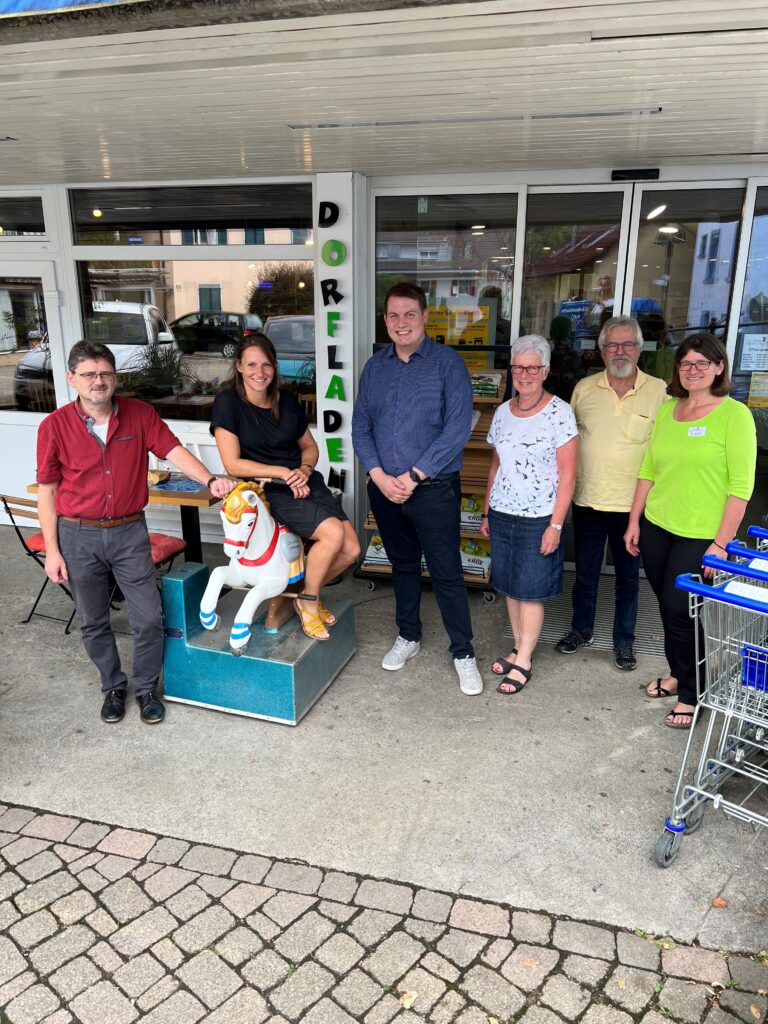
<point x="335" y="333"/>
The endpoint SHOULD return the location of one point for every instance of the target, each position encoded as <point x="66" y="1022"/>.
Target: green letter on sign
<point x="334" y="252"/>
<point x="336" y="388"/>
<point x="333" y="322"/>
<point x="335" y="453"/>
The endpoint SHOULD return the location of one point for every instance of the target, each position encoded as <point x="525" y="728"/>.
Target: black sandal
<point x="656" y="691"/>
<point x="506" y="665"/>
<point x="514" y="687"/>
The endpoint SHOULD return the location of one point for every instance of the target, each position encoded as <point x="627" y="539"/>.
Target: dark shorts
<point x="518" y="569"/>
<point x="302" y="516"/>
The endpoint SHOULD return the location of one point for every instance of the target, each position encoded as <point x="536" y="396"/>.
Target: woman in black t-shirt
<point x="262" y="431"/>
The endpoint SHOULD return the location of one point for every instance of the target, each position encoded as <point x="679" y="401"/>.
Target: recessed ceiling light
<point x="656" y="212"/>
<point x="478" y="232"/>
<point x="668" y="229"/>
<point x="96" y="212"/>
<point x="477" y="227"/>
<point x="547" y="248"/>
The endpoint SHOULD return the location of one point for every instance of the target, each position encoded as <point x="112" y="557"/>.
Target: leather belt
<point x="105" y="524"/>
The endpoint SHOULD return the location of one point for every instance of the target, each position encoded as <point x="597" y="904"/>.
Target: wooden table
<point x="189" y="504"/>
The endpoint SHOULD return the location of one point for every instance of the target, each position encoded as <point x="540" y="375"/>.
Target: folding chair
<point x="164" y="548"/>
<point x="34" y="547"/>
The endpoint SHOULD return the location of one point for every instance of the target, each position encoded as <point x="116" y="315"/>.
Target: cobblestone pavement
<point x="105" y="925"/>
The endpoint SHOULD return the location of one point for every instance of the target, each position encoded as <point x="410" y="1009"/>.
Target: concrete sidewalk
<point x="105" y="925"/>
<point x="550" y="801"/>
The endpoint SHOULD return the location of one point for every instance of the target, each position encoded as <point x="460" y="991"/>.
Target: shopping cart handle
<point x="758" y="531"/>
<point x="742" y="569"/>
<point x="733" y="592"/>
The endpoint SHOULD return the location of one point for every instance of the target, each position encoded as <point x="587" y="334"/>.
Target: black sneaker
<point x="113" y="708"/>
<point x="572" y="641"/>
<point x="625" y="658"/>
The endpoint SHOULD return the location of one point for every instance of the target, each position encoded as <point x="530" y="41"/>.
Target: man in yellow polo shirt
<point x="614" y="411"/>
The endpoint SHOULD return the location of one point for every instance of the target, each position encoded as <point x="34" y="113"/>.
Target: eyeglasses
<point x="699" y="364"/>
<point x="614" y="346"/>
<point x="105" y="375"/>
<point x="532" y="371"/>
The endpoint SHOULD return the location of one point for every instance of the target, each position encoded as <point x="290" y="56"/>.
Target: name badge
<point x="696" y="431"/>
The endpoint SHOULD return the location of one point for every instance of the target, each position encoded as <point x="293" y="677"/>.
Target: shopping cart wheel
<point x="667" y="847"/>
<point x="695" y="817"/>
<point x="370" y="585"/>
<point x="489" y="596"/>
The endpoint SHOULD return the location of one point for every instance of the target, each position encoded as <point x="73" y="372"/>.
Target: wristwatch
<point x="557" y="526"/>
<point x="210" y="481"/>
<point x="415" y="476"/>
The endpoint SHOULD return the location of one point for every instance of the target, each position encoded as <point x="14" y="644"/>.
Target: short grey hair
<point x="619" y="321"/>
<point x="531" y="343"/>
<point x="87" y="349"/>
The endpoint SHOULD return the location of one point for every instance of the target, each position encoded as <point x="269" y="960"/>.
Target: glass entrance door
<point x="32" y="367"/>
<point x="683" y="248"/>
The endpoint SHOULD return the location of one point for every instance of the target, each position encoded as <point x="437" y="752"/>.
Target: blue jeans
<point x="428" y="522"/>
<point x="591" y="529"/>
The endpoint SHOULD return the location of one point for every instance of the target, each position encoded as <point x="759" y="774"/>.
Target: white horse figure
<point x="262" y="555"/>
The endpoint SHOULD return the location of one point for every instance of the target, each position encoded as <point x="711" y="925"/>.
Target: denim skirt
<point x="518" y="569"/>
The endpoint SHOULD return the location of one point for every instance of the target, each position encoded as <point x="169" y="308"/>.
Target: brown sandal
<point x="312" y="623"/>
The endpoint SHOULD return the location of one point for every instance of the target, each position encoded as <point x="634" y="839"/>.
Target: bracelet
<point x="210" y="481"/>
<point x="484" y="515"/>
<point x="719" y="546"/>
<point x="306" y="465"/>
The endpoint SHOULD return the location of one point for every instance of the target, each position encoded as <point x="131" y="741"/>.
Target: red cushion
<point x="36" y="542"/>
<point x="165" y="547"/>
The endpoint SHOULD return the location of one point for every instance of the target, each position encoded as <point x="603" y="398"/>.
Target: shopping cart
<point x="731" y="617"/>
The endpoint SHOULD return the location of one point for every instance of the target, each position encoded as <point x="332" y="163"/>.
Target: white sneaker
<point x="399" y="653"/>
<point x="470" y="680"/>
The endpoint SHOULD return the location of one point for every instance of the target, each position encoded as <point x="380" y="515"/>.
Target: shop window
<point x="460" y="249"/>
<point x="175" y="348"/>
<point x="750" y="369"/>
<point x="193" y="215"/>
<point x="27" y="381"/>
<point x="21" y="217"/>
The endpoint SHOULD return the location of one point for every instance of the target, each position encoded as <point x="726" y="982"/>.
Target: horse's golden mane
<point x="234" y="504"/>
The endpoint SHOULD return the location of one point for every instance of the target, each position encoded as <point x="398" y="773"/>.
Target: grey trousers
<point x="90" y="552"/>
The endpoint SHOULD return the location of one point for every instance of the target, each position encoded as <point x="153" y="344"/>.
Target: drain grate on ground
<point x="648" y="632"/>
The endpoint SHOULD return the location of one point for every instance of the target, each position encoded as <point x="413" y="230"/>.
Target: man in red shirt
<point x="92" y="475"/>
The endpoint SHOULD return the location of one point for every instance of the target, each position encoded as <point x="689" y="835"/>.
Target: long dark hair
<point x="711" y="348"/>
<point x="234" y="381"/>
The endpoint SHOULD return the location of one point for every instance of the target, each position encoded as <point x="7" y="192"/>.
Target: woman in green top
<point x="691" y="495"/>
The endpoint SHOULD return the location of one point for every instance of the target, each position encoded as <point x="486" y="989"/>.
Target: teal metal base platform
<point x="279" y="677"/>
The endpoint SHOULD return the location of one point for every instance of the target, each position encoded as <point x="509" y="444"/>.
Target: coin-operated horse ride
<point x="279" y="672"/>
<point x="263" y="557"/>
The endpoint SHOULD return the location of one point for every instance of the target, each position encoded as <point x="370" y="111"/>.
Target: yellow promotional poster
<point x="465" y="326"/>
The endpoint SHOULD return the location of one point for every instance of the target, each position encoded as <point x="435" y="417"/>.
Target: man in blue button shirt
<point x="412" y="418"/>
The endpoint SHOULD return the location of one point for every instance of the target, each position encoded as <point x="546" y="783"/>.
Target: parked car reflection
<point x="146" y="354"/>
<point x="294" y="341"/>
<point x="207" y="330"/>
